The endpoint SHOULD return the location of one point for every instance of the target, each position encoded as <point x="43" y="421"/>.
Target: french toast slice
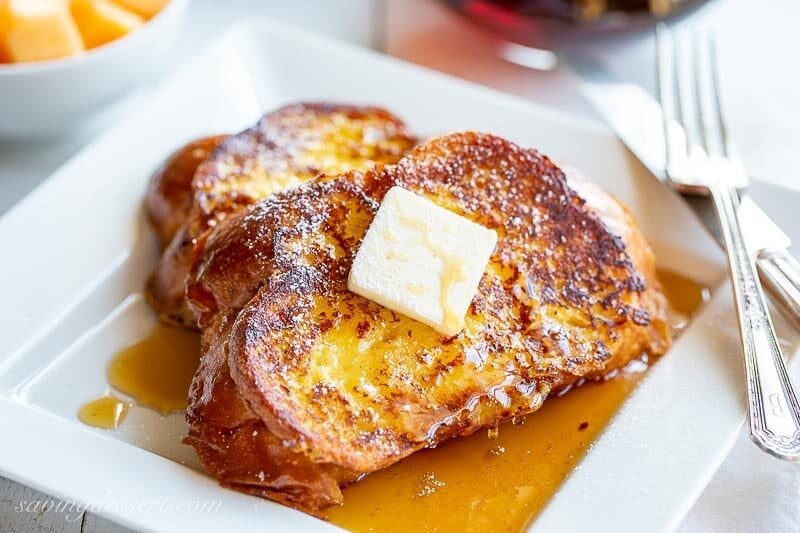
<point x="304" y="386"/>
<point x="287" y="147"/>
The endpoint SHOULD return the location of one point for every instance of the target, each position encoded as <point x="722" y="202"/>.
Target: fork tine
<point x="674" y="148"/>
<point x="713" y="62"/>
<point x="703" y="86"/>
<point x="687" y="91"/>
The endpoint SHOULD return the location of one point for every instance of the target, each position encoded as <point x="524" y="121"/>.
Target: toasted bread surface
<point x="293" y="145"/>
<point x="287" y="147"/>
<point x="349" y="386"/>
<point x="169" y="194"/>
<point x="235" y="447"/>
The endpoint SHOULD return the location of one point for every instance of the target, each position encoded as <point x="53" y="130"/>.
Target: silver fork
<point x="701" y="159"/>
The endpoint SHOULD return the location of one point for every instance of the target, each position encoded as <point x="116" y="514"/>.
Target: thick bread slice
<point x="287" y="147"/>
<point x="351" y="387"/>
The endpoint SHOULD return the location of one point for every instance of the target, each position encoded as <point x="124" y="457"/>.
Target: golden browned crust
<point x="169" y="194"/>
<point x="347" y="386"/>
<point x="166" y="286"/>
<point x="235" y="447"/>
<point x="287" y="147"/>
<point x="293" y="145"/>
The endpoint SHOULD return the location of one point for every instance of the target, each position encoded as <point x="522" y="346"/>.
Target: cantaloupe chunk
<point x="39" y="29"/>
<point x="5" y="18"/>
<point x="146" y="8"/>
<point x="4" y="57"/>
<point x="101" y="21"/>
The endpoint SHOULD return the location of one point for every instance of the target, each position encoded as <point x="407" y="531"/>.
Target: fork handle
<point x="780" y="273"/>
<point x="774" y="409"/>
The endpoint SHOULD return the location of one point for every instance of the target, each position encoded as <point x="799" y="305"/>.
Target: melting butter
<point x="413" y="244"/>
<point x="452" y="271"/>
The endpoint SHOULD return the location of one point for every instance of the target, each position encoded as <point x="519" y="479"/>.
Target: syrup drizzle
<point x="497" y="480"/>
<point x="155" y="372"/>
<point x="500" y="479"/>
<point x="106" y="412"/>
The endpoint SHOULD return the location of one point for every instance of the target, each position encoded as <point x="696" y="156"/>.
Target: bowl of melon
<point x="64" y="61"/>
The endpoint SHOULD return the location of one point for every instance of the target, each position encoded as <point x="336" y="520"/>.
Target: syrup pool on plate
<point x="155" y="372"/>
<point x="499" y="480"/>
<point x="106" y="412"/>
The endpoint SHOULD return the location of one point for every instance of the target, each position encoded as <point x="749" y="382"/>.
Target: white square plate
<point x="76" y="253"/>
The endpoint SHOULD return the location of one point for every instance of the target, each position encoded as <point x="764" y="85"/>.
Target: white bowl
<point x="47" y="98"/>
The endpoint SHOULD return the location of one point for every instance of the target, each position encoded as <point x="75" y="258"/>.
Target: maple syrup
<point x="501" y="481"/>
<point x="494" y="480"/>
<point x="155" y="372"/>
<point x="684" y="294"/>
<point x="106" y="412"/>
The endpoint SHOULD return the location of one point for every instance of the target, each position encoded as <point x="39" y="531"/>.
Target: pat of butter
<point x="421" y="260"/>
<point x="39" y="29"/>
<point x="101" y="21"/>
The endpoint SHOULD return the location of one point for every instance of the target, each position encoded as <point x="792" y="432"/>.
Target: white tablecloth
<point x="760" y="46"/>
